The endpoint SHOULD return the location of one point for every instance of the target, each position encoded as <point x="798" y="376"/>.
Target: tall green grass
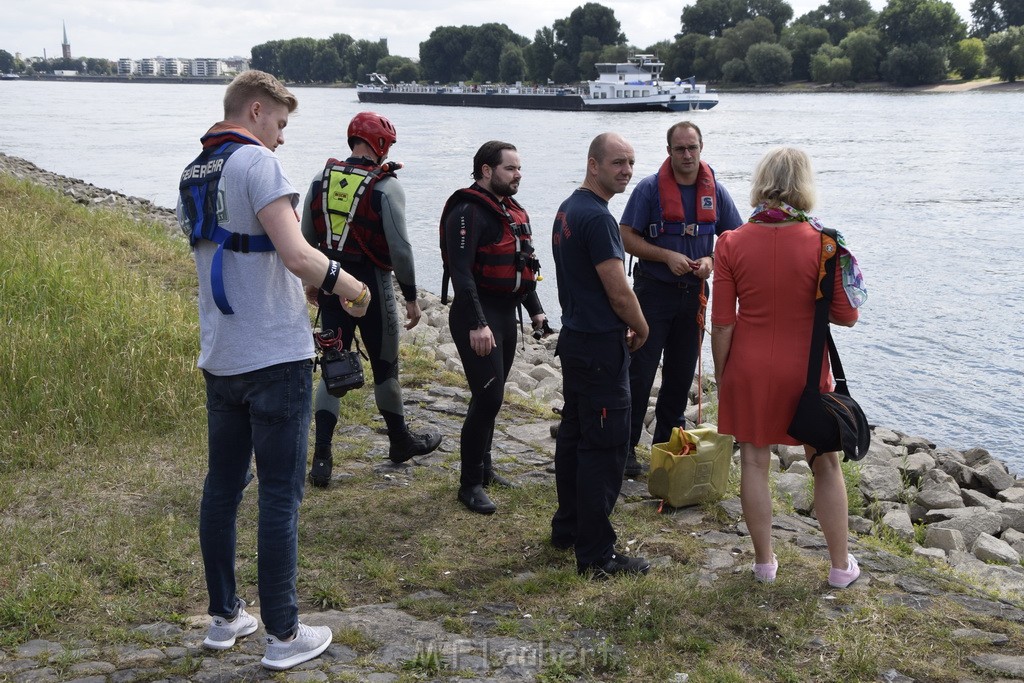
<point x="101" y="417"/>
<point x="100" y="328"/>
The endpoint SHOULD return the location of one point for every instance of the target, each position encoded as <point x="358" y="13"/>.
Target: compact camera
<point x="342" y="370"/>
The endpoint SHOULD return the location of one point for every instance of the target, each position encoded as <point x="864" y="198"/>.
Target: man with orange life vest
<point x="486" y="245"/>
<point x="669" y="224"/>
<point x="355" y="213"/>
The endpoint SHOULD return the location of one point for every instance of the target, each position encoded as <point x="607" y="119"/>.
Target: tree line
<point x="84" y="65"/>
<point x="909" y="42"/>
<point x="564" y="52"/>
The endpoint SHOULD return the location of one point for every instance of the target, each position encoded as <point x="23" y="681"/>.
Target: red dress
<point x="770" y="271"/>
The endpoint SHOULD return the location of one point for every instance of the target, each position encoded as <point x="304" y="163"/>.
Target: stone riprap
<point x="89" y="195"/>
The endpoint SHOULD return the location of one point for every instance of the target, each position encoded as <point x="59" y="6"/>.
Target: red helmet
<point x="374" y="129"/>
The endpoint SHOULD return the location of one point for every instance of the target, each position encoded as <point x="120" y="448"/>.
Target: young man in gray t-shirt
<point x="256" y="347"/>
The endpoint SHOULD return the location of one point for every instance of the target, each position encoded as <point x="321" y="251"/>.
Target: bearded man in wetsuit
<point x="487" y="249"/>
<point x="355" y="213"/>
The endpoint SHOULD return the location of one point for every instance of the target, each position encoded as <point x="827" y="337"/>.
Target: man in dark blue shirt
<point x="601" y="325"/>
<point x="670" y="224"/>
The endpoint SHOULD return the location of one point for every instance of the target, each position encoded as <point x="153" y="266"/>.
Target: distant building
<point x="66" y="46"/>
<point x="205" y="67"/>
<point x="175" y="67"/>
<point x="236" y="64"/>
<point x="170" y="66"/>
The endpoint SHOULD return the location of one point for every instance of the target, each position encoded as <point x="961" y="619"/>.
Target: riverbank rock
<point x="89" y="195"/>
<point x="904" y="480"/>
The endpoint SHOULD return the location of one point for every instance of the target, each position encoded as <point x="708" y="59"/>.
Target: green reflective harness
<point x="342" y="188"/>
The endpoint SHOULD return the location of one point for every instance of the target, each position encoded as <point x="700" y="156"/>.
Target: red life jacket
<point x="673" y="217"/>
<point x="355" y="213"/>
<point x="507" y="266"/>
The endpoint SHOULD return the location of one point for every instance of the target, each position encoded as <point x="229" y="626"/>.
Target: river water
<point x="925" y="187"/>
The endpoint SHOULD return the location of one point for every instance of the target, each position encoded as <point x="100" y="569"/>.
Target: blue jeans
<point x="671" y="313"/>
<point x="265" y="412"/>
<point x="591" y="448"/>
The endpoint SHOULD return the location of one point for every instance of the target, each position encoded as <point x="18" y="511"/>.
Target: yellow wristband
<point x="361" y="299"/>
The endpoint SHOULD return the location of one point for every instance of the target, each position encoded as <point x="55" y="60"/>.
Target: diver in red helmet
<point x="355" y="212"/>
<point x="373" y="129"/>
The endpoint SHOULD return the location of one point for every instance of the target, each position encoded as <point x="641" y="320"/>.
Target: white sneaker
<point x="765" y="573"/>
<point x="842" y="578"/>
<point x="222" y="632"/>
<point x="308" y="643"/>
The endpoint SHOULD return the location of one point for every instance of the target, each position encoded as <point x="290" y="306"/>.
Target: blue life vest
<point x="201" y="209"/>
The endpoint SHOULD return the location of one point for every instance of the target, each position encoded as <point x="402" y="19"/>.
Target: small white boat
<point x="636" y="85"/>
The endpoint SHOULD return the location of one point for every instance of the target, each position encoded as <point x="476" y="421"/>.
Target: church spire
<point x="66" y="46"/>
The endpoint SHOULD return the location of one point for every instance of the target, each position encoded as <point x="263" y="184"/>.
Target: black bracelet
<point x="331" y="279"/>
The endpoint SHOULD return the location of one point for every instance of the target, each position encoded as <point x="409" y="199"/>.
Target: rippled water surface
<point x="926" y="188"/>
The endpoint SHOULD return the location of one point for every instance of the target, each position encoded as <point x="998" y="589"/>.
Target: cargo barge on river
<point x="631" y="86"/>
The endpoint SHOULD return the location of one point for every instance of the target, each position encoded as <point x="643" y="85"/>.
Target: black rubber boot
<point x="493" y="478"/>
<point x="634" y="468"/>
<point x="323" y="463"/>
<point x="476" y="500"/>
<point x="411" y="445"/>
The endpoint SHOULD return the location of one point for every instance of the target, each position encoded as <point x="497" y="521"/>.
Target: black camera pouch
<point x="342" y="371"/>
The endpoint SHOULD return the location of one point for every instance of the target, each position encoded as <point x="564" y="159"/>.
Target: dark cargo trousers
<point x="593" y="440"/>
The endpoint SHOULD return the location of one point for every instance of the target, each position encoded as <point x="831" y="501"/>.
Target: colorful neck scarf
<point x="853" y="279"/>
<point x="228" y="132"/>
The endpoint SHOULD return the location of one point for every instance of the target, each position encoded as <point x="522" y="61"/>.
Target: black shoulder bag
<point x="833" y="421"/>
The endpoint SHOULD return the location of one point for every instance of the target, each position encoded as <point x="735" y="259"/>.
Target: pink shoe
<point x="765" y="573"/>
<point x="842" y="578"/>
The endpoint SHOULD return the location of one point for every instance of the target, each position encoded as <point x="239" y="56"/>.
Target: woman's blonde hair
<point x="784" y="174"/>
<point x="252" y="85"/>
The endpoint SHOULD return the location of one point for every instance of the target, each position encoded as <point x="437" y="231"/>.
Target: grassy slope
<point x="102" y="448"/>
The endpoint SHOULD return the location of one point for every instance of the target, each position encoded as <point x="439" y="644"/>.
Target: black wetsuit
<point x="472" y="308"/>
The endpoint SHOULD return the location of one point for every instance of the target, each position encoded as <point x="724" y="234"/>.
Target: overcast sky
<point x="226" y="28"/>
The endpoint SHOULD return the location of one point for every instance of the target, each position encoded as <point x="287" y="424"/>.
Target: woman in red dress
<point x="769" y="267"/>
